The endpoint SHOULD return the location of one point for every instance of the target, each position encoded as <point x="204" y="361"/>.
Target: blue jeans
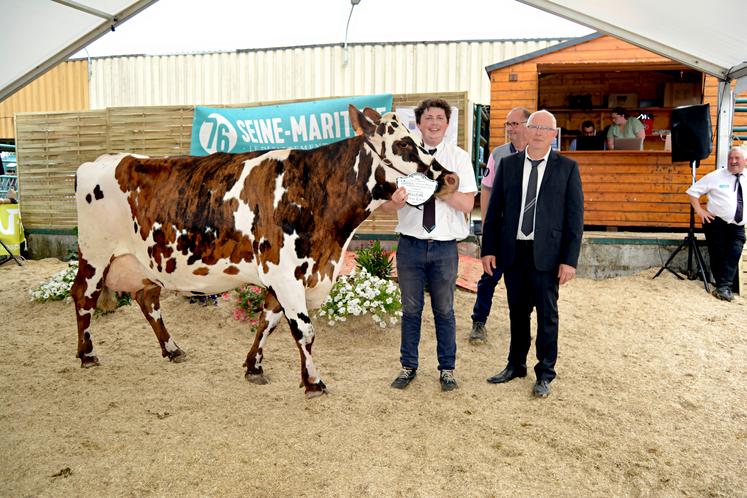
<point x="437" y="262"/>
<point x="485" y="290"/>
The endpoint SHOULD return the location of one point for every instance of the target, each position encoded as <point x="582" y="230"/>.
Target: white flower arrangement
<point x="58" y="287"/>
<point x="361" y="293"/>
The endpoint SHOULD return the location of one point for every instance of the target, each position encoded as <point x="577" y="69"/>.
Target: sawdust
<point x="649" y="401"/>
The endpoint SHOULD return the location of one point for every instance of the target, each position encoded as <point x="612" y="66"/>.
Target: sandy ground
<point x="649" y="401"/>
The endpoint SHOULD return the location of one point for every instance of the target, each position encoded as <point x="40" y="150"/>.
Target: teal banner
<point x="305" y="125"/>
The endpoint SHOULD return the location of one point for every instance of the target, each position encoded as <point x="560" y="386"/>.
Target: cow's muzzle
<point x="447" y="184"/>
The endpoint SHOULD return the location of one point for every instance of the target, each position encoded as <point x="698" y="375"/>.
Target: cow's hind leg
<point x="85" y="292"/>
<point x="268" y="321"/>
<point x="148" y="299"/>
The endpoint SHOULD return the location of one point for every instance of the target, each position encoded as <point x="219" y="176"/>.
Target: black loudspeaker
<point x="692" y="136"/>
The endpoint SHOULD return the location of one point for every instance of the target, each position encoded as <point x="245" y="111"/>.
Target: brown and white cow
<point x="279" y="219"/>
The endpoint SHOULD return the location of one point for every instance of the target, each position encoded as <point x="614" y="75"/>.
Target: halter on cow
<point x="280" y="219"/>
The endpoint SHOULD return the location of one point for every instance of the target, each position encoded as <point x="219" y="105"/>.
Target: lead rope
<point x="383" y="159"/>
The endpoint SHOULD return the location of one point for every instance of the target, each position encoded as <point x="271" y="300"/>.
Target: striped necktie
<point x="527" y="223"/>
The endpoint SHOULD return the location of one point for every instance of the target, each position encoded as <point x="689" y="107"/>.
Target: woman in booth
<point x="624" y="126"/>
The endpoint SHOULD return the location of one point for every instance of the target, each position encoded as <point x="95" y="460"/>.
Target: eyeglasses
<point x="513" y="124"/>
<point x="540" y="128"/>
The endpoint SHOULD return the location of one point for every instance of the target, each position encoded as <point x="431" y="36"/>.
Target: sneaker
<point x="404" y="378"/>
<point x="479" y="334"/>
<point x="723" y="293"/>
<point x="541" y="389"/>
<point x="448" y="382"/>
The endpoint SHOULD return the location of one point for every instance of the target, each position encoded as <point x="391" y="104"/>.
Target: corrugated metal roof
<point x="302" y="72"/>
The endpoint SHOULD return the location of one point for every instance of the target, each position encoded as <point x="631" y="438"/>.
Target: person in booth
<point x="723" y="219"/>
<point x="427" y="248"/>
<point x="624" y="126"/>
<point x="587" y="130"/>
<point x="533" y="230"/>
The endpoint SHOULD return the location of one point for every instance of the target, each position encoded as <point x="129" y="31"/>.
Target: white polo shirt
<point x="720" y="186"/>
<point x="451" y="224"/>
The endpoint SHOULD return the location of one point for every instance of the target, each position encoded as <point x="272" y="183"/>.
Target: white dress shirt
<point x="720" y="185"/>
<point x="451" y="224"/>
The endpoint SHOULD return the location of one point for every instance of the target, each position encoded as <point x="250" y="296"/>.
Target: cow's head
<point x="397" y="152"/>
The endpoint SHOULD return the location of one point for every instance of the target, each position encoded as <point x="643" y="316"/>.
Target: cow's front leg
<point x="293" y="300"/>
<point x="268" y="320"/>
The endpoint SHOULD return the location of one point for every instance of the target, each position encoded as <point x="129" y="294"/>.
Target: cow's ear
<point x="372" y="114"/>
<point x="361" y="123"/>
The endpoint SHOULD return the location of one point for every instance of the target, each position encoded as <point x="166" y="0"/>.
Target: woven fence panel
<point x="50" y="147"/>
<point x="151" y="131"/>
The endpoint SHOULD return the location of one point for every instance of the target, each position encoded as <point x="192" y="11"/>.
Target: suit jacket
<point x="559" y="218"/>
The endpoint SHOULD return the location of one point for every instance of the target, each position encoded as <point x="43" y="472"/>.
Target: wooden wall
<point x="633" y="189"/>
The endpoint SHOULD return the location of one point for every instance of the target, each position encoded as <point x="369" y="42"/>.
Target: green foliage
<point x="375" y="260"/>
<point x="123" y="299"/>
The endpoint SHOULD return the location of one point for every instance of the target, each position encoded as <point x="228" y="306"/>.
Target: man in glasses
<point x="517" y="140"/>
<point x="532" y="232"/>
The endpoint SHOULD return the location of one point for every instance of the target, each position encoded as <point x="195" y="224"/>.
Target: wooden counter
<point x="634" y="189"/>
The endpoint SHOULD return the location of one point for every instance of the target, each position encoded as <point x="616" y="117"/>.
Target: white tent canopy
<point x="710" y="37"/>
<point x="38" y="34"/>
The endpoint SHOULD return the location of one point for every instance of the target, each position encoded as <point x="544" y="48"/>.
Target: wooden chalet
<point x="583" y="79"/>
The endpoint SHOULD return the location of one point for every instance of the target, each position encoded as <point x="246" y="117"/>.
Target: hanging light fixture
<point x="353" y="3"/>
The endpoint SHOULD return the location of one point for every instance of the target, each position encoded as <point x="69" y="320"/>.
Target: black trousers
<point x="725" y="242"/>
<point x="528" y="289"/>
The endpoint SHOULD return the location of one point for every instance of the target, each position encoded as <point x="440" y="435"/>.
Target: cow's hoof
<point x="89" y="361"/>
<point x="177" y="356"/>
<point x="259" y="379"/>
<point x="315" y="390"/>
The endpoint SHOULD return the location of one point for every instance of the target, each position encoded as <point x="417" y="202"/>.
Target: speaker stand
<point x="691" y="242"/>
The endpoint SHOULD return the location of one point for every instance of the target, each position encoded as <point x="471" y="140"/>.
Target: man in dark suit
<point x="532" y="231"/>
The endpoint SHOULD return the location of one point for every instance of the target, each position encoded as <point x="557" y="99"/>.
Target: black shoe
<point x="541" y="388"/>
<point x="507" y="374"/>
<point x="404" y="378"/>
<point x="448" y="382"/>
<point x="478" y="335"/>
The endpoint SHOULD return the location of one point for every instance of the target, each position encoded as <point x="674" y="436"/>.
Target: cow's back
<point x="172" y="214"/>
